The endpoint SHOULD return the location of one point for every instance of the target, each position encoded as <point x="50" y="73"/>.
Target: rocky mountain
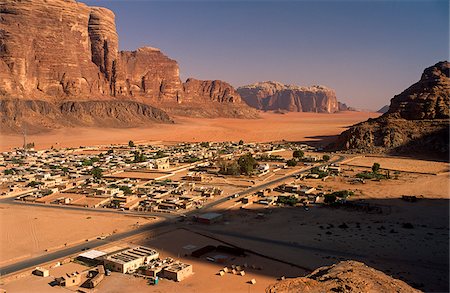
<point x="383" y="109"/>
<point x="417" y="120"/>
<point x="272" y="95"/>
<point x="63" y="50"/>
<point x="346" y="276"/>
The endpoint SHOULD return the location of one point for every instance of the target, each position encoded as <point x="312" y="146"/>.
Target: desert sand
<point x="27" y="231"/>
<point x="270" y="127"/>
<point x="400" y="164"/>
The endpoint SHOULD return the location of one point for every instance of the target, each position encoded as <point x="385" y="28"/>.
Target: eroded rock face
<point x="47" y="49"/>
<point x="148" y="72"/>
<point x="416" y="122"/>
<point x="276" y="96"/>
<point x="346" y="276"/>
<point x="16" y="115"/>
<point x="210" y="90"/>
<point x="58" y="50"/>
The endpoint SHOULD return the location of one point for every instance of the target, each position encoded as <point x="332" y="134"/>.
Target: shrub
<point x="375" y="167"/>
<point x="291" y="163"/>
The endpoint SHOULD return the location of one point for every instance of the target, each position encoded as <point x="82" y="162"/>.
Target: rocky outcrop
<point x="383" y="109"/>
<point x="148" y="72"/>
<point x="416" y="123"/>
<point x="346" y="276"/>
<point x="210" y="90"/>
<point x="39" y="115"/>
<point x="277" y="96"/>
<point x="63" y="50"/>
<point x="429" y="98"/>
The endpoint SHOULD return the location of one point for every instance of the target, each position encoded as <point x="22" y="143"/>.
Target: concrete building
<point x="177" y="271"/>
<point x="209" y="218"/>
<point x="130" y="259"/>
<point x="69" y="280"/>
<point x="162" y="163"/>
<point x="98" y="276"/>
<point x="41" y="272"/>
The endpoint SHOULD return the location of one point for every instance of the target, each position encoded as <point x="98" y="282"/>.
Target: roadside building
<point x="209" y="218"/>
<point x="130" y="259"/>
<point x="41" y="272"/>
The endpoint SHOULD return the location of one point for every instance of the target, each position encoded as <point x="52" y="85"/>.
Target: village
<point x="158" y="179"/>
<point x="196" y="200"/>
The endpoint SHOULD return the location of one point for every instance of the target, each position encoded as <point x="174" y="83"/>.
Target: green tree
<point x="291" y="163"/>
<point x="139" y="157"/>
<point x="97" y="173"/>
<point x="298" y="154"/>
<point x="246" y="164"/>
<point x="241" y="142"/>
<point x="131" y="144"/>
<point x="326" y="158"/>
<point x="126" y="189"/>
<point x="375" y="167"/>
<point x="65" y="170"/>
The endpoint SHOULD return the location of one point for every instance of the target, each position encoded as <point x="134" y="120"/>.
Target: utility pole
<point x="24" y="132"/>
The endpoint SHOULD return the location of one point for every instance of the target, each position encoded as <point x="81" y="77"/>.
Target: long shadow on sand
<point x="407" y="240"/>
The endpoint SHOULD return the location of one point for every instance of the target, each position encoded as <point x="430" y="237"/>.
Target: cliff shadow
<point x="407" y="240"/>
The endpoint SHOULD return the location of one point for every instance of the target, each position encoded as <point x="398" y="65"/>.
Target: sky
<point x="367" y="51"/>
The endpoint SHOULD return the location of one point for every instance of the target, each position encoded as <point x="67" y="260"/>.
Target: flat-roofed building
<point x="130" y="259"/>
<point x="177" y="271"/>
<point x="209" y="218"/>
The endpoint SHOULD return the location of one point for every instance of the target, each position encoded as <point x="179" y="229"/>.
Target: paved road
<point x="169" y="220"/>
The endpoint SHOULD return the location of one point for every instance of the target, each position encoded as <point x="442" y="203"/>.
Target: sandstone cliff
<point x="277" y="96"/>
<point x="346" y="276"/>
<point x="416" y="122"/>
<point x="39" y="115"/>
<point x="62" y="50"/>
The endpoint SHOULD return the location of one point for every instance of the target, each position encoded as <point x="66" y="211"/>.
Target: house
<point x="69" y="280"/>
<point x="162" y="163"/>
<point x="98" y="276"/>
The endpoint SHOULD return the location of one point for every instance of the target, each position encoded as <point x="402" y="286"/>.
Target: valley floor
<point x="308" y="127"/>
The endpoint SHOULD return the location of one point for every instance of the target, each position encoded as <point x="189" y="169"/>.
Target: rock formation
<point x="277" y="96"/>
<point x="417" y="120"/>
<point x="346" y="276"/>
<point x="383" y="109"/>
<point x="62" y="50"/>
<point x="18" y="115"/>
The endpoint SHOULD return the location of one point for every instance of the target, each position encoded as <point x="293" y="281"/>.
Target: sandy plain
<point x="270" y="127"/>
<point x="26" y="231"/>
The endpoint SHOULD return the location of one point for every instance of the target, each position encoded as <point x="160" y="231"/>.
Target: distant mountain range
<point x="417" y="121"/>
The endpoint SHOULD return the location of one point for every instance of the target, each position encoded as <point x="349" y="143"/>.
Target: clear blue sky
<point x="366" y="50"/>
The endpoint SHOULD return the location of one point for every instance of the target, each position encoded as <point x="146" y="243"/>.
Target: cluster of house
<point x="140" y="261"/>
<point x="122" y="177"/>
<point x="278" y="195"/>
